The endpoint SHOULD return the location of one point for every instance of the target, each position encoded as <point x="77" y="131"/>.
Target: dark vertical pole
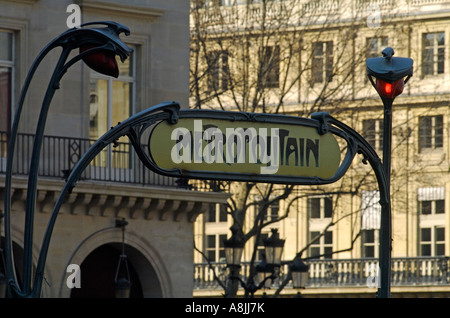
<point x="385" y="226"/>
<point x="232" y="283"/>
<point x="33" y="174"/>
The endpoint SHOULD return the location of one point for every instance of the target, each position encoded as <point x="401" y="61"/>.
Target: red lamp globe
<point x="389" y="90"/>
<point x="103" y="61"/>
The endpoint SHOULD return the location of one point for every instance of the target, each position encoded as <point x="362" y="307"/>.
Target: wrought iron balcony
<point x="59" y="155"/>
<point x="408" y="271"/>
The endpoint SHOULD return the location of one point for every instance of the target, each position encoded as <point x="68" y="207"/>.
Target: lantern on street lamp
<point x="100" y="55"/>
<point x="299" y="271"/>
<point x="391" y="73"/>
<point x="122" y="282"/>
<point x="265" y="272"/>
<point x="274" y="248"/>
<point x="234" y="247"/>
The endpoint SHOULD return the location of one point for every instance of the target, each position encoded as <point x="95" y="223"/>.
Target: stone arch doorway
<point x="99" y="268"/>
<point x="18" y="260"/>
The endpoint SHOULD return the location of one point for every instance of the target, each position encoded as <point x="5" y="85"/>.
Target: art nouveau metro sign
<point x="237" y="146"/>
<point x="245" y="147"/>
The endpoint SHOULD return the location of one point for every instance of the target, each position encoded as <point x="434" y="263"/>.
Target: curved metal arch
<point x="107" y="38"/>
<point x="363" y="147"/>
<point x="162" y="111"/>
<point x="135" y="127"/>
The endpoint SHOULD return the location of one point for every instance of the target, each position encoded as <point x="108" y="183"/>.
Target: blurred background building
<point x="299" y="57"/>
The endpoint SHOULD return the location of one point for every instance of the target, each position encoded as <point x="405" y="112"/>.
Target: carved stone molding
<point x="31" y="2"/>
<point x="117" y="200"/>
<point x="109" y="7"/>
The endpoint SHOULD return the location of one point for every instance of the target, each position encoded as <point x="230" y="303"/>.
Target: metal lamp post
<point x="391" y="74"/>
<point x="98" y="48"/>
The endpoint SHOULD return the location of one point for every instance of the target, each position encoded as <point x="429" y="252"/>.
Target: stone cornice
<point x="107" y="7"/>
<point x="116" y="200"/>
<point x="21" y="1"/>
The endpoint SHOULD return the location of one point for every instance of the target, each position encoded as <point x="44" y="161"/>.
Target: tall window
<point x="322" y="62"/>
<point x="218" y="70"/>
<point x="433" y="53"/>
<point x="6" y="82"/>
<point x="320" y="212"/>
<point x="269" y="73"/>
<point x="432" y="241"/>
<point x="214" y="247"/>
<point x="431" y="132"/>
<point x="322" y="246"/>
<point x="111" y="101"/>
<point x="260" y="245"/>
<point x="373" y="133"/>
<point x="431" y="206"/>
<point x="320" y="208"/>
<point x="375" y="45"/>
<point x="272" y="211"/>
<point x="370" y="223"/>
<point x="216" y="213"/>
<point x="369" y="239"/>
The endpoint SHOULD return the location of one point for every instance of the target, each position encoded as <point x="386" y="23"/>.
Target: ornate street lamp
<point x="391" y="74"/>
<point x="98" y="47"/>
<point x="299" y="272"/>
<point x="234" y="247"/>
<point x="123" y="283"/>
<point x="273" y="247"/>
<point x="266" y="271"/>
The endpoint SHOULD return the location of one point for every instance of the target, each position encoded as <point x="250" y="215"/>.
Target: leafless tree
<point x="279" y="57"/>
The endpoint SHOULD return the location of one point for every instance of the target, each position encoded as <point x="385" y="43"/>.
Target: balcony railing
<point x="408" y="271"/>
<point x="116" y="163"/>
<point x="237" y="15"/>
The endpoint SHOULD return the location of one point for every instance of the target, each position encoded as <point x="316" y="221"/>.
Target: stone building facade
<point x="160" y="213"/>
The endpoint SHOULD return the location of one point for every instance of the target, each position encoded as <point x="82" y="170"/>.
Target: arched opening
<point x="18" y="260"/>
<point x="98" y="272"/>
